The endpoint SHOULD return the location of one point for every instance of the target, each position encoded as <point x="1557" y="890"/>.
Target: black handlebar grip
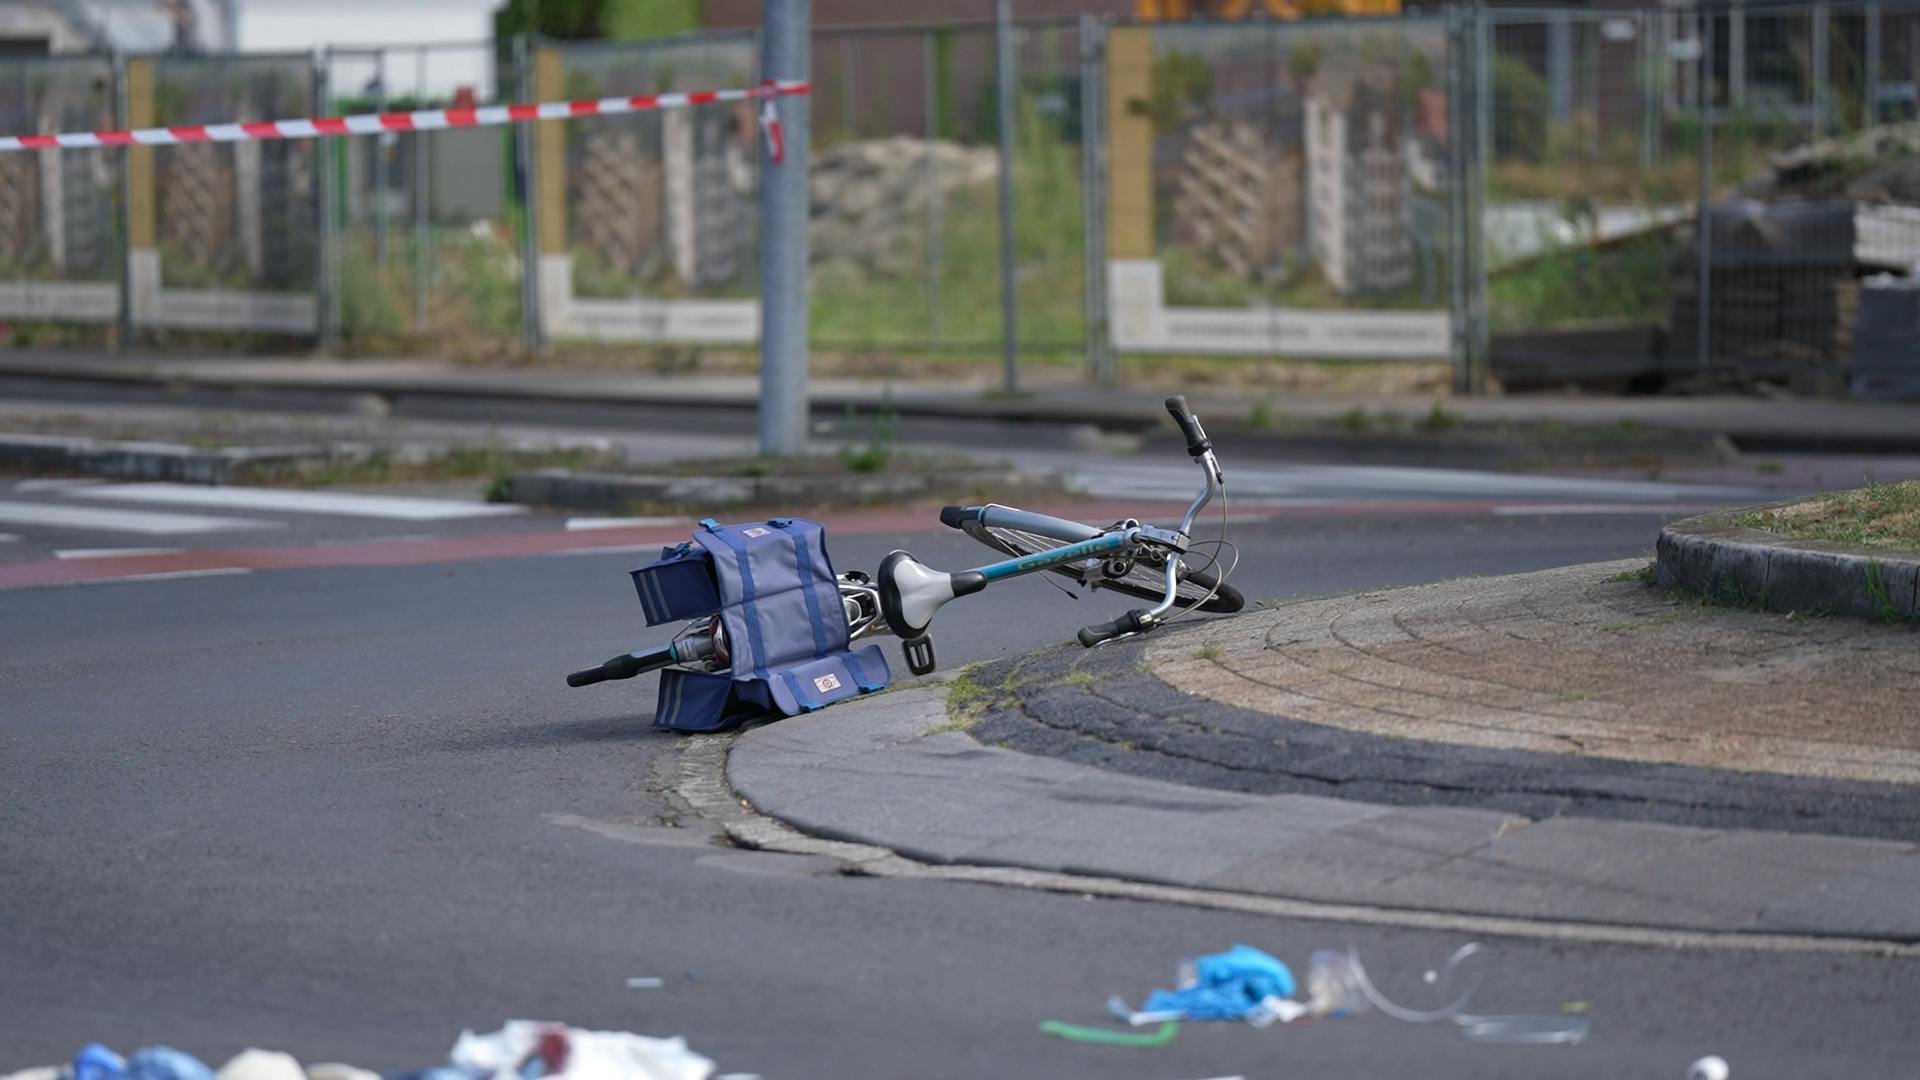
<point x="1197" y="441"/>
<point x="1130" y="623"/>
<point x="587" y="677"/>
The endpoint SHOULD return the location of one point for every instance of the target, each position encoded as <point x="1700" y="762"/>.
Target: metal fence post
<point x="326" y="269"/>
<point x="422" y="229"/>
<point x="1821" y="49"/>
<point x="930" y="88"/>
<point x="529" y="205"/>
<point x="123" y="212"/>
<point x="1704" y="246"/>
<point x="382" y="158"/>
<point x="785" y="41"/>
<point x="1093" y="238"/>
<point x="1872" y="109"/>
<point x="1003" y="66"/>
<point x="1480" y="361"/>
<point x="1457" y="236"/>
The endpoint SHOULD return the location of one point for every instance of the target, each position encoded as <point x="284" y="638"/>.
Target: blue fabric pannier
<point x="775" y="592"/>
<point x="677" y="586"/>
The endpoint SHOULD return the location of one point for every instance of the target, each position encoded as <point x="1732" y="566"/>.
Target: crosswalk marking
<point x="582" y="524"/>
<point x="169" y="575"/>
<point x="112" y="553"/>
<point x="391" y="507"/>
<point x="151" y="523"/>
<point x="1591" y="508"/>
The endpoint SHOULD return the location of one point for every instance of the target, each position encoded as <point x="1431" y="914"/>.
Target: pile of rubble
<point x="870" y="200"/>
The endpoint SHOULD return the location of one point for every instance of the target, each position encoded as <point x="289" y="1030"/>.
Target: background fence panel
<point x="59" y="234"/>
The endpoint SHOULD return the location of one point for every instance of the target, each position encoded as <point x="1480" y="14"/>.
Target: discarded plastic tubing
<point x="1337" y="982"/>
<point x="1110" y="1037"/>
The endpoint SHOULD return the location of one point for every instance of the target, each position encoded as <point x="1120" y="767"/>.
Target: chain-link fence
<point x="1532" y="194"/>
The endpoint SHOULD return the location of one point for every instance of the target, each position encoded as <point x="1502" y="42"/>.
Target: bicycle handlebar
<point x="1131" y="623"/>
<point x="1197" y="441"/>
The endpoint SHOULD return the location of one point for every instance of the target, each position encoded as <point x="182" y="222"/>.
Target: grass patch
<point x="1646" y="575"/>
<point x="1207" y="652"/>
<point x="1878" y="515"/>
<point x="493" y="464"/>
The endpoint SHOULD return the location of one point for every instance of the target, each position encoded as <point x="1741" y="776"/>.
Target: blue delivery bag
<point x="774" y="588"/>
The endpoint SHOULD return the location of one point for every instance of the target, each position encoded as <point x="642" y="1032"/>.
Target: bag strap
<point x="867" y="686"/>
<point x="757" y="649"/>
<point x="803" y="554"/>
<point x="793" y="687"/>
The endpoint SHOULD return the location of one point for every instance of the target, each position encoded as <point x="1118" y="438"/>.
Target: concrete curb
<point x="1879" y="429"/>
<point x="148" y="460"/>
<point x="613" y="492"/>
<point x="878" y="772"/>
<point x="1711" y="555"/>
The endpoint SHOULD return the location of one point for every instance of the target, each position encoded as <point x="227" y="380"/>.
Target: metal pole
<point x="328" y="284"/>
<point x="1479" y="363"/>
<point x="422" y="233"/>
<point x="1822" y="93"/>
<point x="1089" y="207"/>
<point x="1873" y="63"/>
<point x="529" y="205"/>
<point x="1705" y="245"/>
<point x="1456" y="195"/>
<point x="122" y="109"/>
<point x="382" y="153"/>
<point x="1009" y="332"/>
<point x="929" y="59"/>
<point x="784" y="41"/>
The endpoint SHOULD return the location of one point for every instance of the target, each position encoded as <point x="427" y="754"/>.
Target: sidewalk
<point x="1774" y="425"/>
<point x="1569" y="746"/>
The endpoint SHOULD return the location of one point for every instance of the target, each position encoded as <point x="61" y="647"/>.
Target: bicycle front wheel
<point x="1144" y="579"/>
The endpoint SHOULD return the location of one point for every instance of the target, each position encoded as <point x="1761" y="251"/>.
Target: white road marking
<point x="134" y="521"/>
<point x="582" y="524"/>
<point x="391" y="507"/>
<point x="26" y="486"/>
<point x="217" y="571"/>
<point x="614" y="549"/>
<point x="7" y="538"/>
<point x="1589" y="508"/>
<point x="112" y="553"/>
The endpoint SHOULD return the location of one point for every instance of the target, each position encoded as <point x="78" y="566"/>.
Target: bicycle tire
<point x="1143" y="582"/>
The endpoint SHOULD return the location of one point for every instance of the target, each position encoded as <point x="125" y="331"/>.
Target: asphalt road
<point x="348" y="812"/>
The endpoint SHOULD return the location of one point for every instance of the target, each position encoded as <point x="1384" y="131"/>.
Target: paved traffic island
<point x="1845" y="553"/>
<point x="1572" y="745"/>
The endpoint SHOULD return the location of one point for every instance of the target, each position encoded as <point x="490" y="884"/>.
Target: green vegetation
<point x="495" y="465"/>
<point x="1626" y="281"/>
<point x="577" y="20"/>
<point x="851" y="308"/>
<point x="873" y="455"/>
<point x="1646" y="575"/>
<point x="1878" y="515"/>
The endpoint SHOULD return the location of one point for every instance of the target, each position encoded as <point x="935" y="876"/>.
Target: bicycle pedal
<point x="919" y="654"/>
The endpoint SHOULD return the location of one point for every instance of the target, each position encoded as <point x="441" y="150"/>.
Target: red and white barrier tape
<point x="422" y="120"/>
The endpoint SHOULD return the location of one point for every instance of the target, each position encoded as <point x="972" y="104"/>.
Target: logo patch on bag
<point x="827" y="682"/>
<point x="755" y="534"/>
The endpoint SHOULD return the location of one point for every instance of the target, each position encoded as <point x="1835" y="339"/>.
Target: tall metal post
<point x="422" y="235"/>
<point x="1821" y="47"/>
<point x="784" y="43"/>
<point x="1873" y="63"/>
<point x="328" y="300"/>
<point x="529" y="204"/>
<point x="1704" y="246"/>
<point x="931" y="89"/>
<point x="122" y="109"/>
<point x="1093" y="100"/>
<point x="1480" y="362"/>
<point x="382" y="161"/>
<point x="1009" y="332"/>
